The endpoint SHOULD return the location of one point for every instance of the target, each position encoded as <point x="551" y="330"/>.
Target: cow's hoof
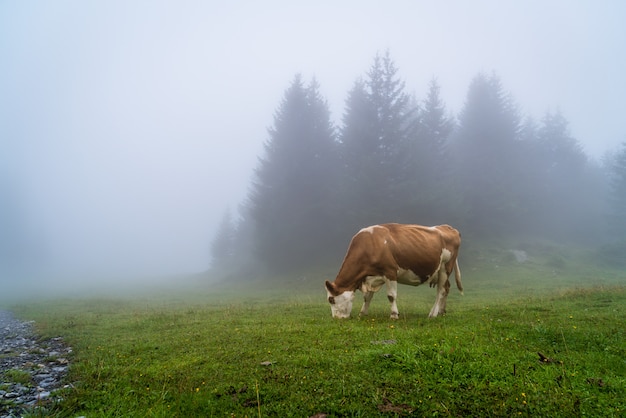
<point x="394" y="315"/>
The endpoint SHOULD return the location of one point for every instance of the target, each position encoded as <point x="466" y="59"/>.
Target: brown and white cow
<point x="394" y="253"/>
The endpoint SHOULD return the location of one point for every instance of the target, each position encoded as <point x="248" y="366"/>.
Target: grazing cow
<point x="394" y="253"/>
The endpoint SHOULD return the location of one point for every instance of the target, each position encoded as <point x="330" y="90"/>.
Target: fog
<point x="127" y="129"/>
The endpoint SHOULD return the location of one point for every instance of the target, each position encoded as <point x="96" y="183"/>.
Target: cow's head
<point x="340" y="302"/>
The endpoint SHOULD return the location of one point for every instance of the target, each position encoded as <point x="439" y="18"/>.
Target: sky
<point x="128" y="128"/>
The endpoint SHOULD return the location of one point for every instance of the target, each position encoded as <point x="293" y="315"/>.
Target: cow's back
<point x="416" y="248"/>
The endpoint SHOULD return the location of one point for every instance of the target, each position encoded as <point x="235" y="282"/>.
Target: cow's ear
<point x="331" y="288"/>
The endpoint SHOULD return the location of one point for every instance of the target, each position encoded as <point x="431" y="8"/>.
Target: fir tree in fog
<point x="223" y="246"/>
<point x="564" y="170"/>
<point x="432" y="202"/>
<point x="614" y="248"/>
<point x="377" y="146"/>
<point x="436" y="125"/>
<point x="292" y="198"/>
<point x="486" y="149"/>
<point x="617" y="196"/>
<point x="359" y="148"/>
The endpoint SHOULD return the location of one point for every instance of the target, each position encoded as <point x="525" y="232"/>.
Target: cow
<point x="396" y="253"/>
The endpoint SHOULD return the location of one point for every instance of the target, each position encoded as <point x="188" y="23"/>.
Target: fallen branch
<point x="545" y="359"/>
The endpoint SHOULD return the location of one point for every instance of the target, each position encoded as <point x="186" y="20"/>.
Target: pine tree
<point x="360" y="160"/>
<point x="378" y="125"/>
<point x="433" y="181"/>
<point x="531" y="178"/>
<point x="435" y="125"/>
<point x="565" y="189"/>
<point x="486" y="149"/>
<point x="223" y="244"/>
<point x="617" y="196"/>
<point x="291" y="200"/>
<point x="563" y="153"/>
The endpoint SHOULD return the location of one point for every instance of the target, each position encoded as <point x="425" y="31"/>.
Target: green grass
<point x="272" y="349"/>
<point x="17" y="376"/>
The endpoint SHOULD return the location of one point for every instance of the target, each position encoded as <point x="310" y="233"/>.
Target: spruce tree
<point x="376" y="136"/>
<point x="567" y="189"/>
<point x="435" y="125"/>
<point x="532" y="179"/>
<point x="617" y="196"/>
<point x="223" y="244"/>
<point x="293" y="193"/>
<point x="564" y="156"/>
<point x="433" y="180"/>
<point x="360" y="180"/>
<point x="486" y="149"/>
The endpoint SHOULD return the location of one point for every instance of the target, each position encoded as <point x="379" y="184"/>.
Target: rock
<point x="43" y="395"/>
<point x="384" y="342"/>
<point x="520" y="256"/>
<point x="47" y="383"/>
<point x="43" y="362"/>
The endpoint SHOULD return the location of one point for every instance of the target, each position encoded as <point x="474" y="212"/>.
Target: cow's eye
<point x="331" y="300"/>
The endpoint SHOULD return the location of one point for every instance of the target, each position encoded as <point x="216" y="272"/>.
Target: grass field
<point x="543" y="338"/>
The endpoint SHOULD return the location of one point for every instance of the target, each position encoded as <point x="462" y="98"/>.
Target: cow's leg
<point x="445" y="299"/>
<point x="443" y="286"/>
<point x="392" y="295"/>
<point x="367" y="297"/>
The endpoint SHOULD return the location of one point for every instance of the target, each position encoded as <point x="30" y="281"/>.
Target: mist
<point x="128" y="129"/>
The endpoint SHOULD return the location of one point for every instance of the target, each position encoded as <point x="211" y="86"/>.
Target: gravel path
<point x="31" y="369"/>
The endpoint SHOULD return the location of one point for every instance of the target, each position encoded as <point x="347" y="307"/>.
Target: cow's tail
<point x="457" y="276"/>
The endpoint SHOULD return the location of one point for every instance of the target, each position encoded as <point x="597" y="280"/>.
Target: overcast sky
<point x="129" y="127"/>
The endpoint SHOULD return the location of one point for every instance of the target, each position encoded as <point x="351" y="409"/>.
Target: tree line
<point x="490" y="172"/>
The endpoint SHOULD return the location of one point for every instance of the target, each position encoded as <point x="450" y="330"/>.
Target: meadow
<point x="540" y="338"/>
